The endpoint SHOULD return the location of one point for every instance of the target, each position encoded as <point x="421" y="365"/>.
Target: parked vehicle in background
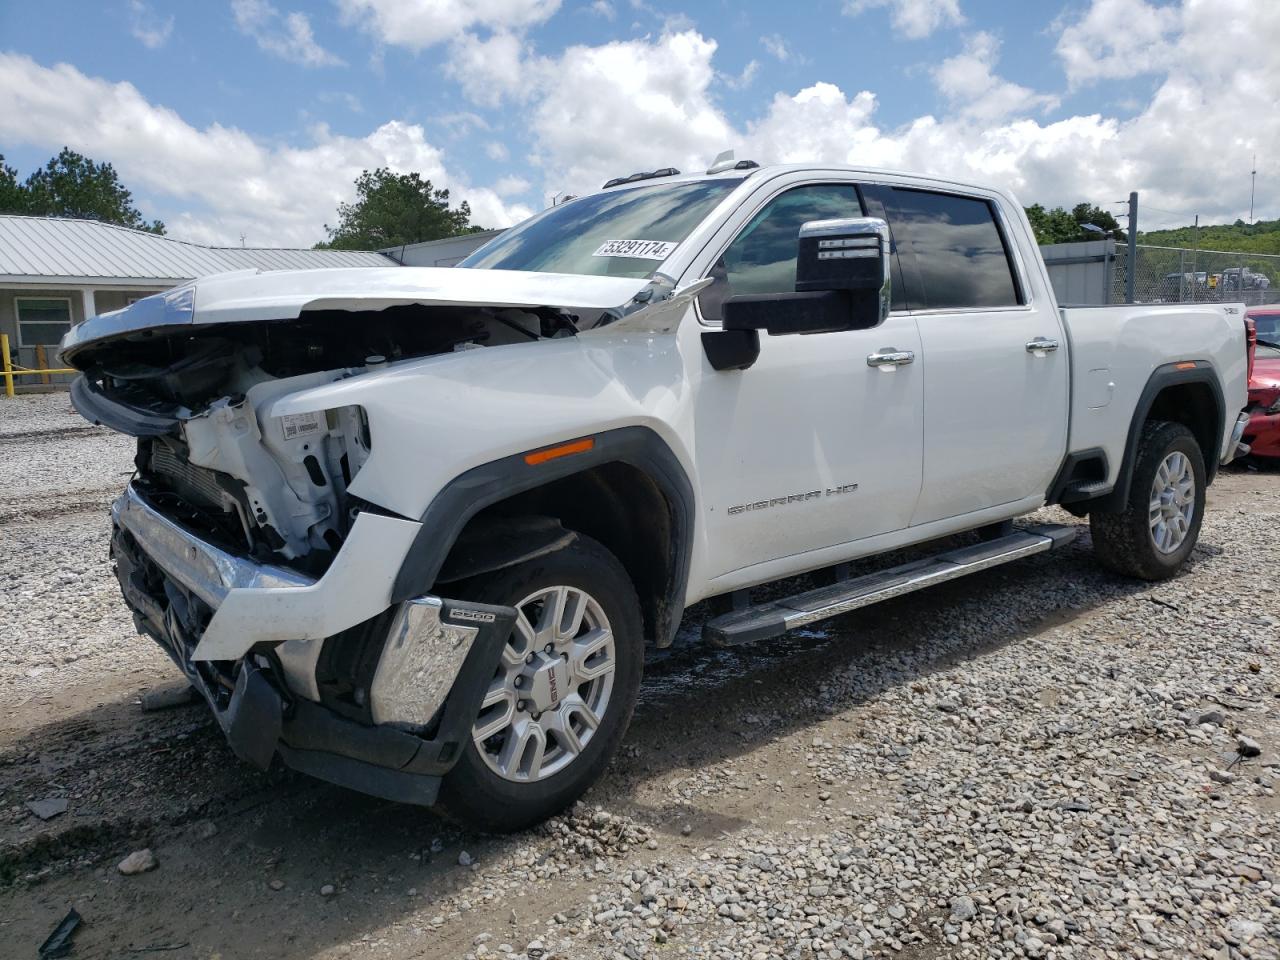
<point x="1242" y="278"/>
<point x="410" y="529"/>
<point x="1184" y="286"/>
<point x="1262" y="433"/>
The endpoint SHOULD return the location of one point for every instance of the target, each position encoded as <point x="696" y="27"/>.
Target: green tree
<point x="12" y="197"/>
<point x="1059" y="226"/>
<point x="1052" y="226"/>
<point x="71" y="185"/>
<point x="1088" y="213"/>
<point x="393" y="209"/>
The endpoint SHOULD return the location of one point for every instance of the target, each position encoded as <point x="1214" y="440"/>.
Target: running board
<point x="768" y="620"/>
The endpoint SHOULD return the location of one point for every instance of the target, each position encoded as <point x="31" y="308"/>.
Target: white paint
<point x="970" y="433"/>
<point x="356" y="586"/>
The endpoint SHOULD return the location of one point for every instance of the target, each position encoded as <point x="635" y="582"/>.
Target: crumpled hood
<point x="246" y="296"/>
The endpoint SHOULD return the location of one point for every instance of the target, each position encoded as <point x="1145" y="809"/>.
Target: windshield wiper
<point x="1268" y="343"/>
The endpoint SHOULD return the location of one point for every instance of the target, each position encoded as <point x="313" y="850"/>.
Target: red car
<point x="1263" y="432"/>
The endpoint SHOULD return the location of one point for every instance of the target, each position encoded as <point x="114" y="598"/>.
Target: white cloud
<point x="213" y="184"/>
<point x="511" y="184"/>
<point x="1116" y="39"/>
<point x="649" y="105"/>
<point x="497" y="150"/>
<point x="287" y="36"/>
<point x="968" y="80"/>
<point x="489" y="70"/>
<point x="912" y="18"/>
<point x="776" y="46"/>
<point x="744" y="79"/>
<point x="147" y="27"/>
<point x="603" y="8"/>
<point x="417" y="24"/>
<point x="653" y="103"/>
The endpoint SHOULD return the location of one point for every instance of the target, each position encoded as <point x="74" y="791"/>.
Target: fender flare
<point x="1164" y="376"/>
<point x="468" y="493"/>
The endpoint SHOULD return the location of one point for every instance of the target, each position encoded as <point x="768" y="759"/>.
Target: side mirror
<point x="842" y="283"/>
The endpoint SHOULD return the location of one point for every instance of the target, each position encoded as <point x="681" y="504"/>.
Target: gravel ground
<point x="1038" y="761"/>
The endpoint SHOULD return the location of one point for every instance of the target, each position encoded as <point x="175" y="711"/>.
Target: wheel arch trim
<point x="1182" y="373"/>
<point x="448" y="513"/>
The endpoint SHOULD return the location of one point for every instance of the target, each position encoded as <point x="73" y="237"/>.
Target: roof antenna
<point x="242" y="240"/>
<point x="723" y="161"/>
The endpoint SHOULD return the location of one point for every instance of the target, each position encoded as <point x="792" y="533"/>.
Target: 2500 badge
<point x="792" y="498"/>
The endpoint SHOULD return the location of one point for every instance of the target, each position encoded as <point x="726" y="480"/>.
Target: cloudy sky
<point x="253" y="117"/>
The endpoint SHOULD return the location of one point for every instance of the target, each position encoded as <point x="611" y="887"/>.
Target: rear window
<point x="958" y="249"/>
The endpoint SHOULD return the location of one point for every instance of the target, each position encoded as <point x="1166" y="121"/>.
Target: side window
<point x="762" y="258"/>
<point x="957" y="247"/>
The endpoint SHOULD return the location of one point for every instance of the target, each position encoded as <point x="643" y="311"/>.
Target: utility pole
<point x="1195" y="253"/>
<point x="1131" y="267"/>
<point x="1253" y="182"/>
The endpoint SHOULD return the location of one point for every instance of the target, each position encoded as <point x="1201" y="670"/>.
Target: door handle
<point x="890" y="358"/>
<point x="1041" y="345"/>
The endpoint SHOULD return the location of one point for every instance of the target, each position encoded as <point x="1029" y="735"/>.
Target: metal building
<point x="55" y="272"/>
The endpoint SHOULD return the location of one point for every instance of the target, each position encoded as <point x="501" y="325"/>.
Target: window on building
<point x="42" y="320"/>
<point x="958" y="249"/>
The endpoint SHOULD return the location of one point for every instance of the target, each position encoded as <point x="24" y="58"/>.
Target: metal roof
<point x="41" y="249"/>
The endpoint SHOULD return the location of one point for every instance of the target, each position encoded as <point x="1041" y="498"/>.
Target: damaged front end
<point x="384" y="706"/>
<point x="242" y="543"/>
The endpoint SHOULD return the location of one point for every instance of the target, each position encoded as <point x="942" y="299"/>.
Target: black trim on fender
<point x="1164" y="376"/>
<point x="1074" y="472"/>
<point x="470" y="492"/>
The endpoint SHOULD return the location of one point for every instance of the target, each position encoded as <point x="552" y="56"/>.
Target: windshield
<point x="619" y="233"/>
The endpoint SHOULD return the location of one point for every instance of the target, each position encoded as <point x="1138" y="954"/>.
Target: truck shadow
<point x="244" y="855"/>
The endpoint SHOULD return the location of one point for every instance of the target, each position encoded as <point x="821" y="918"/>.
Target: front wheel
<point x="562" y="692"/>
<point x="1160" y="524"/>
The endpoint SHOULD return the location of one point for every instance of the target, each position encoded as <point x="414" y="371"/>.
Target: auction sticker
<point x="301" y="424"/>
<point x="644" y="249"/>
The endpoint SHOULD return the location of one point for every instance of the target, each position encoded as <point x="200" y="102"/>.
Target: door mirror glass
<point x="842" y="283"/>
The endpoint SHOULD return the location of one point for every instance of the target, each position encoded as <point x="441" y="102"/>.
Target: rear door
<point x="996" y="378"/>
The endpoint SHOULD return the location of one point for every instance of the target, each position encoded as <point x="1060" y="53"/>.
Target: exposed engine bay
<point x="210" y="456"/>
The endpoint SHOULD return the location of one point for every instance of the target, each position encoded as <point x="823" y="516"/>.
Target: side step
<point x="767" y="620"/>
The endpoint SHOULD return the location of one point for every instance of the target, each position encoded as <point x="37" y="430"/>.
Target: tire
<point x="477" y="793"/>
<point x="1126" y="542"/>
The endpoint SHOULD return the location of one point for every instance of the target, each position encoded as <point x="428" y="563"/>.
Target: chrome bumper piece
<point x="1235" y="448"/>
<point x="420" y="661"/>
<point x="260" y="603"/>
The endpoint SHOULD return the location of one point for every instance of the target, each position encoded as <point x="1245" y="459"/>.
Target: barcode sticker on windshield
<point x="644" y="249"/>
<point x="301" y="425"/>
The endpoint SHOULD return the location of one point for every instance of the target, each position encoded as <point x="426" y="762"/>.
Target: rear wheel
<point x="562" y="692"/>
<point x="1160" y="524"/>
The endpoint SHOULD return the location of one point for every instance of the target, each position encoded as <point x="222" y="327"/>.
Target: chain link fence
<point x="1184" y="275"/>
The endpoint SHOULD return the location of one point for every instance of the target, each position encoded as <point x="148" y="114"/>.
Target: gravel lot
<point x="1039" y="761"/>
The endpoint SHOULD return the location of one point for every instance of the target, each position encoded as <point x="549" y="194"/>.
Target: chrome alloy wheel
<point x="551" y="689"/>
<point x="1173" y="502"/>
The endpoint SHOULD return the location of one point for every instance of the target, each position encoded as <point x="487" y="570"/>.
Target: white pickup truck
<point x="411" y="529"/>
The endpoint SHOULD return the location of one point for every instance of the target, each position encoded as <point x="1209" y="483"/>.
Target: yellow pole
<point x="8" y="367"/>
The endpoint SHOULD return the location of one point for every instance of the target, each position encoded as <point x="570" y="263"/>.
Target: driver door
<point x="811" y="447"/>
